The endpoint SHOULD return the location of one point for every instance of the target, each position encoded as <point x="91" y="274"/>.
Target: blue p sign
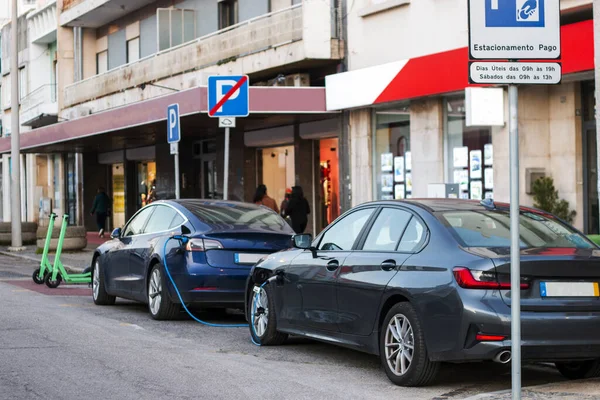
<point x="173" y="134"/>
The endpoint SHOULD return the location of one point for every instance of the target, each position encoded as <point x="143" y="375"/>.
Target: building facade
<point x="405" y="92"/>
<point x="116" y="67"/>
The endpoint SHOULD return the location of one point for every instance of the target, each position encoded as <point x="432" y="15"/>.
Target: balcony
<point x="302" y="34"/>
<point x="39" y="108"/>
<point x="42" y="24"/>
<point x="96" y="13"/>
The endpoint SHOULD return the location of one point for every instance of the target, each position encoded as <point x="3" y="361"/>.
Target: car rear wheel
<point x="402" y="348"/>
<point x="159" y="304"/>
<point x="263" y="320"/>
<point x="101" y="298"/>
<point x="579" y="369"/>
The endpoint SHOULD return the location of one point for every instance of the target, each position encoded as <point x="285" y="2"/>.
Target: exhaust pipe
<point x="503" y="357"/>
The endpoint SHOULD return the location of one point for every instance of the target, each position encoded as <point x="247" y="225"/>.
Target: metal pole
<point x="15" y="156"/>
<point x="515" y="247"/>
<point x="226" y="167"/>
<point x="177" y="189"/>
<point x="597" y="85"/>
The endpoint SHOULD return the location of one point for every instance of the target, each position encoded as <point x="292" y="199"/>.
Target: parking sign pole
<point x="226" y="167"/>
<point x="515" y="245"/>
<point x="176" y="156"/>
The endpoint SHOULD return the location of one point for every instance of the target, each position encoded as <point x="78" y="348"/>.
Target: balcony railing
<point x="255" y="35"/>
<point x="41" y="95"/>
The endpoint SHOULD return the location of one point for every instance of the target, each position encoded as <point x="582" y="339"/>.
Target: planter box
<point x="28" y="233"/>
<point x="75" y="238"/>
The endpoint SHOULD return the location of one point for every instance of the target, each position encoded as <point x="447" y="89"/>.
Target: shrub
<point x="545" y="197"/>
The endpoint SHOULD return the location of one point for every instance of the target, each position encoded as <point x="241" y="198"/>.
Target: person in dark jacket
<point x="298" y="209"/>
<point x="101" y="208"/>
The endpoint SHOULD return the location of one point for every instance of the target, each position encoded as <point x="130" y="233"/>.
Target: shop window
<point x="228" y="13"/>
<point x="393" y="161"/>
<point x="146" y="183"/>
<point x="469" y="157"/>
<point x="102" y="62"/>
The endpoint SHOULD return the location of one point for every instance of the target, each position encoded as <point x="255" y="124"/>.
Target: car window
<point x="492" y="229"/>
<point x="387" y="229"/>
<point x="413" y="236"/>
<point x="343" y="234"/>
<point x="135" y="226"/>
<point x="176" y="221"/>
<point x="161" y="219"/>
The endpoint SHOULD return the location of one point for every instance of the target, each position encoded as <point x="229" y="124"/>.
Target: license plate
<point x="569" y="289"/>
<point x="245" y="258"/>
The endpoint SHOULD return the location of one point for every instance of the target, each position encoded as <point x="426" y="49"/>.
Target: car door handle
<point x="388" y="265"/>
<point x="333" y="265"/>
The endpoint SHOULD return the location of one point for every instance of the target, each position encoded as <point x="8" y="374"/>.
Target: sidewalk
<point x="568" y="390"/>
<point x="74" y="261"/>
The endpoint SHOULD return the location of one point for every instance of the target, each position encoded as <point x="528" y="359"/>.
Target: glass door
<point x="118" y="195"/>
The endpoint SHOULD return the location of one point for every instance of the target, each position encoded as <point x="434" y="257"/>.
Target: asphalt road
<point x="59" y="345"/>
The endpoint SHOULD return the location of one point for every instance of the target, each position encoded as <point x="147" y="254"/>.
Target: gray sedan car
<point x="419" y="282"/>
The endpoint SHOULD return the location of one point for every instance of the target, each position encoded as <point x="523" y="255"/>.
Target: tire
<point x="53" y="284"/>
<point x="263" y="327"/>
<point x="101" y="298"/>
<point x="579" y="369"/>
<point x="159" y="304"/>
<point x="418" y="369"/>
<point x="36" y="277"/>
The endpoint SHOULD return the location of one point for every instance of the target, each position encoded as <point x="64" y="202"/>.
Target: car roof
<point x="444" y="204"/>
<point x="213" y="202"/>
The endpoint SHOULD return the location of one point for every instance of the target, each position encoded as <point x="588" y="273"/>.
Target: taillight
<point x="472" y="279"/>
<point x="482" y="337"/>
<point x="202" y="245"/>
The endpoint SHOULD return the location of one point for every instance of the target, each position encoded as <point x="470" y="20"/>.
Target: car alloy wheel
<point x="155" y="291"/>
<point x="399" y="344"/>
<point x="260" y="311"/>
<point x="96" y="281"/>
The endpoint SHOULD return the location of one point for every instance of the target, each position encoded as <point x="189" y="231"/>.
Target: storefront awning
<point x="439" y="73"/>
<point x="264" y="102"/>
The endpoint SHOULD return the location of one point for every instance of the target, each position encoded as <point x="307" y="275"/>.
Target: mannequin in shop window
<point x="298" y="210"/>
<point x="262" y="199"/>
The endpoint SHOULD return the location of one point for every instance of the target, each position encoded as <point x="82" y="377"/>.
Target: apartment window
<point x="228" y="13"/>
<point x="23" y="89"/>
<point x="102" y="62"/>
<point x="175" y="27"/>
<point x="133" y="50"/>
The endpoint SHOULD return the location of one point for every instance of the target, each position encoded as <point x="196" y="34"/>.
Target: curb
<point x="530" y="390"/>
<point x="25" y="257"/>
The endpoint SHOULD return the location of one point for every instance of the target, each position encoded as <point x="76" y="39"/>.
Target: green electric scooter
<point x="39" y="275"/>
<point x="58" y="273"/>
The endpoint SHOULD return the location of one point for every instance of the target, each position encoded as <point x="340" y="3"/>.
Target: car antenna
<point x="488" y="203"/>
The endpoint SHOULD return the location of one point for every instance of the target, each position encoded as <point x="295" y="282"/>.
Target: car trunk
<point x="242" y="249"/>
<point x="561" y="279"/>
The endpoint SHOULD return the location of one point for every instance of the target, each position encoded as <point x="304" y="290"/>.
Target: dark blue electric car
<point x="225" y="239"/>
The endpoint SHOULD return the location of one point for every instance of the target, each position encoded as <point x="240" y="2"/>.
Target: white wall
<point x="417" y="28"/>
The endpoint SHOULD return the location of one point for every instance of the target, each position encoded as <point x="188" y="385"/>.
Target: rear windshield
<point x="250" y="216"/>
<point x="492" y="229"/>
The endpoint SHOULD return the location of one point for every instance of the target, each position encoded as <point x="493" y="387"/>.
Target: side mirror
<point x="116" y="233"/>
<point x="302" y="241"/>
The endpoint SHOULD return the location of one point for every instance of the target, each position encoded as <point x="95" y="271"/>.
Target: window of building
<point x="102" y="62"/>
<point x="469" y="152"/>
<point x="228" y="13"/>
<point x="393" y="161"/>
<point x="23" y="89"/>
<point x="175" y="26"/>
<point x="133" y="50"/>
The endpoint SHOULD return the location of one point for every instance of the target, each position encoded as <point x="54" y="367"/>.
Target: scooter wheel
<point x="36" y="277"/>
<point x="52" y="284"/>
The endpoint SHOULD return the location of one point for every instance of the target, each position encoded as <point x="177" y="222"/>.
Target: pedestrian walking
<point x="101" y="208"/>
<point x="286" y="200"/>
<point x="298" y="210"/>
<point x="262" y="199"/>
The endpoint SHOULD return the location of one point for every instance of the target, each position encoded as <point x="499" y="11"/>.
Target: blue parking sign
<point x="514" y="13"/>
<point x="173" y="131"/>
<point x="228" y="96"/>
